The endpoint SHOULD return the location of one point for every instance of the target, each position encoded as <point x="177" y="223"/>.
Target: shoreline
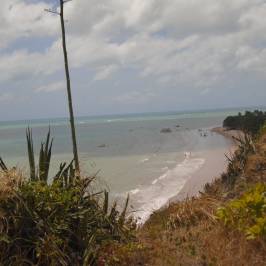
<point x="215" y="164"/>
<point x="227" y="133"/>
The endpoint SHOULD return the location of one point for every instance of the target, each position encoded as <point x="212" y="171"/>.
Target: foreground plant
<point x="62" y="222"/>
<point x="238" y="160"/>
<point x="248" y="213"/>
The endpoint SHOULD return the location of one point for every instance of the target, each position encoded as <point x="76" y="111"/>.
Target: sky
<point x="130" y="56"/>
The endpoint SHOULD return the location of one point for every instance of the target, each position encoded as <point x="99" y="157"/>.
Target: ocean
<point x="129" y="152"/>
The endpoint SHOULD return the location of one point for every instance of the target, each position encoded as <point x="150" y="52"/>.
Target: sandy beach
<point x="214" y="166"/>
<point x="230" y="134"/>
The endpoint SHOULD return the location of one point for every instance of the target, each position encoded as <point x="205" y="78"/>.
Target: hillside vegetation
<point x="249" y="122"/>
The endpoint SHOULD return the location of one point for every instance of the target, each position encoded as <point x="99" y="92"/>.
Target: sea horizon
<point x="133" y="114"/>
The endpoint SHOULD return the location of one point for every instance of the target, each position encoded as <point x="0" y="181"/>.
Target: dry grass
<point x="9" y="181"/>
<point x="189" y="234"/>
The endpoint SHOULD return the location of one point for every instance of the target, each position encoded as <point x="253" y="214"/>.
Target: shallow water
<point x="133" y="155"/>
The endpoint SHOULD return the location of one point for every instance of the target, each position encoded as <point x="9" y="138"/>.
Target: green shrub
<point x="248" y="213"/>
<point x="53" y="225"/>
<point x="249" y="122"/>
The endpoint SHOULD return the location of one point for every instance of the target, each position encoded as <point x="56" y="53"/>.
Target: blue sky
<point x="132" y="56"/>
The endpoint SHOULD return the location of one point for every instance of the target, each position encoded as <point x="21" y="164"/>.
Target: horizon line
<point x="139" y="113"/>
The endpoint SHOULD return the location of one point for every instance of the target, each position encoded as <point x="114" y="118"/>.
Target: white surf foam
<point x="145" y="160"/>
<point x="154" y="181"/>
<point x="134" y="191"/>
<point x="159" y="178"/>
<point x="151" y="198"/>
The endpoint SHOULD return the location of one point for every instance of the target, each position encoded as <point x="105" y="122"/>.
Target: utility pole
<point x="68" y="84"/>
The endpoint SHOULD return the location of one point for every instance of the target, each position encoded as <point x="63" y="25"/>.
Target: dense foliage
<point x="248" y="213"/>
<point x="249" y="122"/>
<point x="56" y="225"/>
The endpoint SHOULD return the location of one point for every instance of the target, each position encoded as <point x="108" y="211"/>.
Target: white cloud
<point x="105" y="72"/>
<point x="191" y="43"/>
<point x="53" y="87"/>
<point x="21" y="19"/>
<point x="21" y="64"/>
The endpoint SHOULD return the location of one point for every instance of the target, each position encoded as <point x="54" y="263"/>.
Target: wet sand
<point x="214" y="166"/>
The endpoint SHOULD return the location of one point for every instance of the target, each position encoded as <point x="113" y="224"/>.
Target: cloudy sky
<point x="130" y="56"/>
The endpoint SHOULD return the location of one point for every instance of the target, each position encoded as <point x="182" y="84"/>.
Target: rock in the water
<point x="102" y="146"/>
<point x="166" y="130"/>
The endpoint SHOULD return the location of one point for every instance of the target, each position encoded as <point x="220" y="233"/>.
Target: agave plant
<point x="44" y="157"/>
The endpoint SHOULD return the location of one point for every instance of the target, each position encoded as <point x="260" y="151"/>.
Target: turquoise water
<point x="130" y="151"/>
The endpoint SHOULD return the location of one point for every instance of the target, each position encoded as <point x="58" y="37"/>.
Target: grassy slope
<point x="188" y="233"/>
